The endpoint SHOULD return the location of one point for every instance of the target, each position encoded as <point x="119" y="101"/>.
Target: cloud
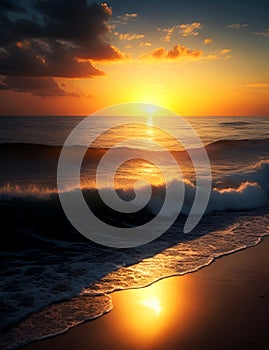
<point x="81" y="25"/>
<point x="225" y="51"/>
<point x="44" y="59"/>
<point x="238" y="25"/>
<point x="212" y="57"/>
<point x="130" y="36"/>
<point x="73" y="28"/>
<point x="261" y="86"/>
<point x="184" y="29"/>
<point x="264" y="33"/>
<point x="177" y="52"/>
<point x="147" y="43"/>
<point x="183" y="53"/>
<point x="168" y="33"/>
<point x="9" y="6"/>
<point x="124" y="19"/>
<point x="187" y="29"/>
<point x="54" y="39"/>
<point x="45" y="87"/>
<point x="128" y="16"/>
<point x="208" y="41"/>
<point x="219" y="54"/>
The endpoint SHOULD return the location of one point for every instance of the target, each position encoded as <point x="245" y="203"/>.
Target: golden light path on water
<point x="121" y="153"/>
<point x="142" y="139"/>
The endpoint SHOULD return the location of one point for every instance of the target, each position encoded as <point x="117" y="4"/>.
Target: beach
<point x="222" y="306"/>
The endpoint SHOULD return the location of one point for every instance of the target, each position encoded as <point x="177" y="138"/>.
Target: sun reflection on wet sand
<point x="144" y="315"/>
<point x="153" y="303"/>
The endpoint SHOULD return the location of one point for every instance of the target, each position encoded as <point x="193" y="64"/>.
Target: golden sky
<point x="77" y="58"/>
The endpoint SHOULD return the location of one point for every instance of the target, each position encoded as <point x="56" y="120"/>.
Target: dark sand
<point x="222" y="306"/>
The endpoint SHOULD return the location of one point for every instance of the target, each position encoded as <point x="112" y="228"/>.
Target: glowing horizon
<point x="185" y="59"/>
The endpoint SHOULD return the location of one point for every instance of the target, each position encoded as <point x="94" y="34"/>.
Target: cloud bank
<point x="53" y="39"/>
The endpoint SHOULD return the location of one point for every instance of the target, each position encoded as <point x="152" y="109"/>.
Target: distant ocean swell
<point x="78" y="275"/>
<point x="35" y="149"/>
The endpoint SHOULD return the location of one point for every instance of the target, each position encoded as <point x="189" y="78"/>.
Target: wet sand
<point x="222" y="306"/>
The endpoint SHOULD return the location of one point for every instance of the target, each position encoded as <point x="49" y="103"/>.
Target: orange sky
<point x="191" y="68"/>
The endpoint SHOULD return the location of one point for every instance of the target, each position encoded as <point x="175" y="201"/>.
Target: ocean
<point x="54" y="278"/>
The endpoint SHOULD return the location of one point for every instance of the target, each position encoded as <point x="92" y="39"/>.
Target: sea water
<point x="54" y="278"/>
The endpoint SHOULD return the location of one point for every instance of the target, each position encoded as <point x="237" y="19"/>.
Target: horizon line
<point x="87" y="115"/>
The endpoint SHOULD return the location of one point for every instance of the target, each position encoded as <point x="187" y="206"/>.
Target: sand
<point x="222" y="306"/>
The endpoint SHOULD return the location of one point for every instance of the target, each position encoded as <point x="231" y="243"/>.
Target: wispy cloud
<point x="127" y="17"/>
<point x="184" y="29"/>
<point x="219" y="54"/>
<point x="264" y="33"/>
<point x="123" y="19"/>
<point x="187" y="29"/>
<point x="168" y="32"/>
<point x="238" y="25"/>
<point x="225" y="51"/>
<point x="130" y="36"/>
<point x="262" y="86"/>
<point x="147" y="43"/>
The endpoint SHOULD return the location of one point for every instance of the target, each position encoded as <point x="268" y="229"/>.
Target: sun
<point x="150" y="109"/>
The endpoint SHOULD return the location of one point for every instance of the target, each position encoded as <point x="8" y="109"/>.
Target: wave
<point x="239" y="145"/>
<point x="237" y="123"/>
<point x="247" y="190"/>
<point x="34" y="148"/>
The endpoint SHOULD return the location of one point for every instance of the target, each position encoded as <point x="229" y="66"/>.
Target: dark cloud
<point x="11" y="6"/>
<point x="85" y="26"/>
<point x="81" y="26"/>
<point x="36" y="86"/>
<point x="55" y="39"/>
<point x="44" y="59"/>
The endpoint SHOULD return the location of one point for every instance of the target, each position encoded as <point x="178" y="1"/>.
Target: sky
<point x="74" y="57"/>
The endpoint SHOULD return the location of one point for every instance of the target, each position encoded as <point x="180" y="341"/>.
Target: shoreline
<point x="129" y="305"/>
